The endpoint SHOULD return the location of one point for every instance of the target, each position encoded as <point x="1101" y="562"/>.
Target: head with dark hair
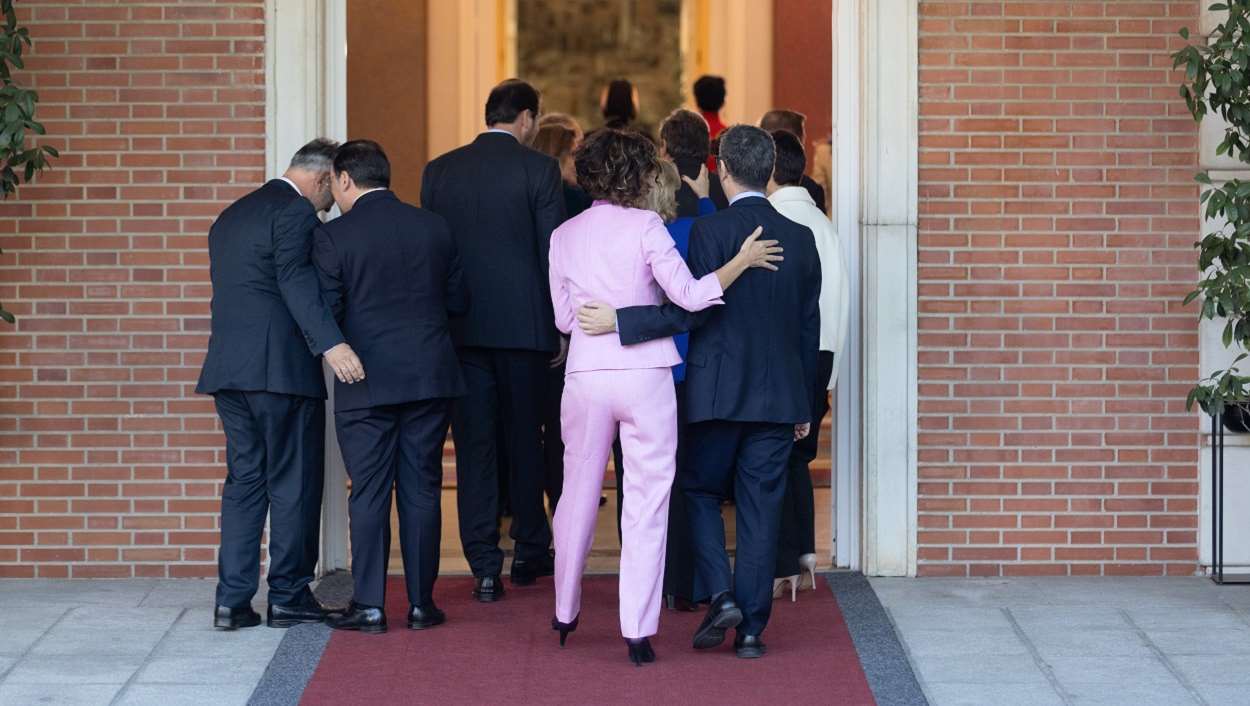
<point x="745" y="159"/>
<point x="310" y="171"/>
<point x="618" y="166"/>
<point x="684" y="134"/>
<point x="359" y="165"/>
<point x="619" y="103"/>
<point x="513" y="106"/>
<point x="790" y="120"/>
<point x="791" y="161"/>
<point x="709" y="93"/>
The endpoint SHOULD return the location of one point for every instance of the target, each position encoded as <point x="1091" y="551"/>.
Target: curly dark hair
<point x="617" y="166"/>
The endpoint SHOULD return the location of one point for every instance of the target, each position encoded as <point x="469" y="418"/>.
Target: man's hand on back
<point x="345" y="364"/>
<point x="596" y="318"/>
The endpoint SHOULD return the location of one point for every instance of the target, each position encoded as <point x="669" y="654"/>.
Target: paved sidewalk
<point x="1132" y="641"/>
<point x="124" y="642"/>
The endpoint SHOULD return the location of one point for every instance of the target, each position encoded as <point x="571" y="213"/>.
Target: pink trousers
<point x="644" y="406"/>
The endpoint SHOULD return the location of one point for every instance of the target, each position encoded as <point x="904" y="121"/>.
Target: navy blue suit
<point x="263" y="368"/>
<point x="751" y="366"/>
<point x="391" y="274"/>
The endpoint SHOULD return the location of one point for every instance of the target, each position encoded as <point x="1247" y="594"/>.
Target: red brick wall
<point x="1057" y="214"/>
<point x="109" y="464"/>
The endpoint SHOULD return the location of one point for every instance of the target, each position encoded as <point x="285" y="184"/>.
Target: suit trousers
<point x="754" y="456"/>
<point x="798" y="509"/>
<point x="553" y="445"/>
<point x="642" y="405"/>
<point x="395" y="447"/>
<point x="497" y="425"/>
<point x="275" y="447"/>
<point x="679" y="555"/>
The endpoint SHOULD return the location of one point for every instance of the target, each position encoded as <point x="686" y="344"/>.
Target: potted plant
<point x="19" y="161"/>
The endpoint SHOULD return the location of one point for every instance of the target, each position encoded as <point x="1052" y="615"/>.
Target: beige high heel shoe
<point x="779" y="587"/>
<point x="807" y="562"/>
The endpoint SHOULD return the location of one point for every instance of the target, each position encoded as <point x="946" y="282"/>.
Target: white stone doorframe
<point x="876" y="111"/>
<point x="876" y="99"/>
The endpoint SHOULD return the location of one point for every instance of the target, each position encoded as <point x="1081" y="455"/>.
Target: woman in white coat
<point x="796" y="553"/>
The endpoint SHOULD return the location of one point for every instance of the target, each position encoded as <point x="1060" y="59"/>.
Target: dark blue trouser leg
<point x="759" y="487"/>
<point x="710" y="464"/>
<point x="274" y="451"/>
<point x="418" y="486"/>
<point x="369" y="439"/>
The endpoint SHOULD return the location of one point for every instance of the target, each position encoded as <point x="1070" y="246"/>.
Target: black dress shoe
<point x="308" y="610"/>
<point x="640" y="651"/>
<point x="488" y="589"/>
<point x="422" y="617"/>
<point x="749" y="646"/>
<point x="722" y="614"/>
<point x="526" y="571"/>
<point x="226" y="618"/>
<point x="361" y="618"/>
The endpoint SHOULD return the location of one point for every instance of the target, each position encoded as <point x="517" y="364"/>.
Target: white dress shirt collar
<point x="745" y="195"/>
<point x="293" y="186"/>
<point x="495" y="129"/>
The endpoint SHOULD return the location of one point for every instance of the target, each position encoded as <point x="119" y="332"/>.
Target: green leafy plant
<point x="1217" y="82"/>
<point x="19" y="162"/>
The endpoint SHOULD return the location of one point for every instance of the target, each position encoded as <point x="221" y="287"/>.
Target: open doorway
<point x="417" y="72"/>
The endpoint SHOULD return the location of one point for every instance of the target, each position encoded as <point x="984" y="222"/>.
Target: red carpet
<point x="507" y="653"/>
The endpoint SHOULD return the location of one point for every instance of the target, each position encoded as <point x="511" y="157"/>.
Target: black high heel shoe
<point x="564" y="628"/>
<point x="640" y="651"/>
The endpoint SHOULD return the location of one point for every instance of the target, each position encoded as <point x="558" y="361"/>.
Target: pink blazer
<point x="623" y="257"/>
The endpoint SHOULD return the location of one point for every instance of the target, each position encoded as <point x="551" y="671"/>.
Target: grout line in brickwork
<point x="1159" y="655"/>
<point x="22" y="657"/>
<point x="148" y="660"/>
<point x="1047" y="670"/>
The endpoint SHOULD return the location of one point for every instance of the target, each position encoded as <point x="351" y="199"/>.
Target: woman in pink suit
<point x="618" y="253"/>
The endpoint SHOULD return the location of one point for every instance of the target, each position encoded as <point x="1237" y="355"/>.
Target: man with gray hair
<point x="270" y="330"/>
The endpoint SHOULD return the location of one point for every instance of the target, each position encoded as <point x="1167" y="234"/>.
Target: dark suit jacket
<point x="501" y="200"/>
<point x="816" y="190"/>
<point x="269" y="323"/>
<point x="755" y="358"/>
<point x="687" y="200"/>
<point x="391" y="274"/>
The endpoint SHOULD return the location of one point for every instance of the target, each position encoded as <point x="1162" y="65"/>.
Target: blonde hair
<point x="662" y="196"/>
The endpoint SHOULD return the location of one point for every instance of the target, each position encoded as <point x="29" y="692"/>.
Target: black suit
<point x="391" y="274"/>
<point x="501" y="200"/>
<point x="816" y="191"/>
<point x="263" y="368"/>
<point x="687" y="200"/>
<point x="749" y="372"/>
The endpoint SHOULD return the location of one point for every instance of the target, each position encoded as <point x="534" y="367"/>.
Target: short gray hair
<point x="316" y="156"/>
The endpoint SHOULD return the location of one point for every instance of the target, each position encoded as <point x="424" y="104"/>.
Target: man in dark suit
<point x="263" y="369"/>
<point x="795" y="122"/>
<point x="684" y="139"/>
<point x="502" y="200"/>
<point x="390" y="273"/>
<point x="749" y="372"/>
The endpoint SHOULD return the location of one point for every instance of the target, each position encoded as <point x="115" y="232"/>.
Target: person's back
<point x="251" y="321"/>
<point x="399" y="269"/>
<point x="501" y="200"/>
<point x="749" y="360"/>
<point x="632" y="266"/>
